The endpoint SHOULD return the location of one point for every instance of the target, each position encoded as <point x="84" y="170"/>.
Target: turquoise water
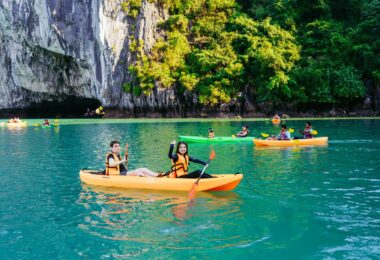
<point x="312" y="202"/>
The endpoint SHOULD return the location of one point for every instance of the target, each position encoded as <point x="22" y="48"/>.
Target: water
<point x="312" y="202"/>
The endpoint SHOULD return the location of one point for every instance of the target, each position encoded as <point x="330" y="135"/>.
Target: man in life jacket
<point x="284" y="134"/>
<point x="115" y="164"/>
<point x="180" y="162"/>
<point x="244" y="132"/>
<point x="307" y="132"/>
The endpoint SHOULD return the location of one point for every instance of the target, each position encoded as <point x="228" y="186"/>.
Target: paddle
<point x="126" y="155"/>
<point x="264" y="135"/>
<point x="195" y="185"/>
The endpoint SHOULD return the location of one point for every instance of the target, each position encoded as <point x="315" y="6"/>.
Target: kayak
<point x="293" y="142"/>
<point x="21" y="124"/>
<point x="222" y="182"/>
<point x="219" y="139"/>
<point x="276" y="121"/>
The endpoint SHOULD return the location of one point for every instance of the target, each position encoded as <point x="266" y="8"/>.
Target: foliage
<point x="131" y="7"/>
<point x="299" y="51"/>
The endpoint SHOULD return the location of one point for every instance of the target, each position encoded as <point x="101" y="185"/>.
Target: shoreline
<point x="76" y="121"/>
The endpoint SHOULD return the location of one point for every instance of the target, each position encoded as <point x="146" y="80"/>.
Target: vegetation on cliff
<point x="299" y="53"/>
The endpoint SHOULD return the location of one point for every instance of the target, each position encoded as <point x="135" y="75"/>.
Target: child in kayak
<point x="180" y="162"/>
<point x="115" y="164"/>
<point x="306" y="132"/>
<point x="244" y="132"/>
<point x="211" y="133"/>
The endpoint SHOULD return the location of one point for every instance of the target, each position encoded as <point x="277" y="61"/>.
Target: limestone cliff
<point x="51" y="49"/>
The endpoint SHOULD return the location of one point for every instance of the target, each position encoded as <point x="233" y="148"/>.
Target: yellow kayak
<point x="293" y="142"/>
<point x="21" y="124"/>
<point x="220" y="183"/>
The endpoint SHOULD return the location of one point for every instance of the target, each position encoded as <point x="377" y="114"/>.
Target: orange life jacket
<point x="113" y="170"/>
<point x="179" y="168"/>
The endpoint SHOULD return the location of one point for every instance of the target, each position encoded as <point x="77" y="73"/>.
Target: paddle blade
<point x="291" y="130"/>
<point x="192" y="191"/>
<point x="212" y="155"/>
<point x="314" y="132"/>
<point x="264" y="135"/>
<point x="233" y="136"/>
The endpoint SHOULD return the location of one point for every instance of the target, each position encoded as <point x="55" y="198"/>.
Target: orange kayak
<point x="293" y="142"/>
<point x="222" y="182"/>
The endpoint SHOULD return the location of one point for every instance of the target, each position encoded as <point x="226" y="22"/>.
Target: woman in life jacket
<point x="115" y="164"/>
<point x="180" y="162"/>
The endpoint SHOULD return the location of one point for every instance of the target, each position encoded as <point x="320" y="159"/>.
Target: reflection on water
<point x="153" y="217"/>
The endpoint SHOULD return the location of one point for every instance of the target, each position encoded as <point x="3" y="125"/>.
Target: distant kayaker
<point x="284" y="134"/>
<point x="276" y="117"/>
<point x="211" y="133"/>
<point x="115" y="164"/>
<point x="180" y="162"/>
<point x="244" y="132"/>
<point x="46" y="122"/>
<point x="307" y="132"/>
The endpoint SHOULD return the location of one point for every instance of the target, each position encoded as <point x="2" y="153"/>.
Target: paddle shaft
<point x="204" y="168"/>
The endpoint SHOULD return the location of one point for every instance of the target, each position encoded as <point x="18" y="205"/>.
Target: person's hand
<point x="173" y="142"/>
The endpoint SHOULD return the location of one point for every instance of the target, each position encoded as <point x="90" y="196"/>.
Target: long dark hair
<point x="179" y="143"/>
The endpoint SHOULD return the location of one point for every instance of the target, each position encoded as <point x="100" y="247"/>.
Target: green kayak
<point x="218" y="139"/>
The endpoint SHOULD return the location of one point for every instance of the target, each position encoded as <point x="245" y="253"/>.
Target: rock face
<point x="51" y="49"/>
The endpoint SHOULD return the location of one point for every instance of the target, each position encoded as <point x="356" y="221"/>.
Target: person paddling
<point x="307" y="132"/>
<point x="180" y="162"/>
<point x="284" y="134"/>
<point x="46" y="122"/>
<point x="244" y="132"/>
<point x="115" y="164"/>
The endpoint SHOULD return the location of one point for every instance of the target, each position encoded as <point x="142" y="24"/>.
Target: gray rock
<point x="50" y="49"/>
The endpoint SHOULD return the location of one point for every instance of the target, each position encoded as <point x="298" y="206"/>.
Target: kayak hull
<point x="223" y="182"/>
<point x="16" y="125"/>
<point x="294" y="142"/>
<point x="219" y="139"/>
